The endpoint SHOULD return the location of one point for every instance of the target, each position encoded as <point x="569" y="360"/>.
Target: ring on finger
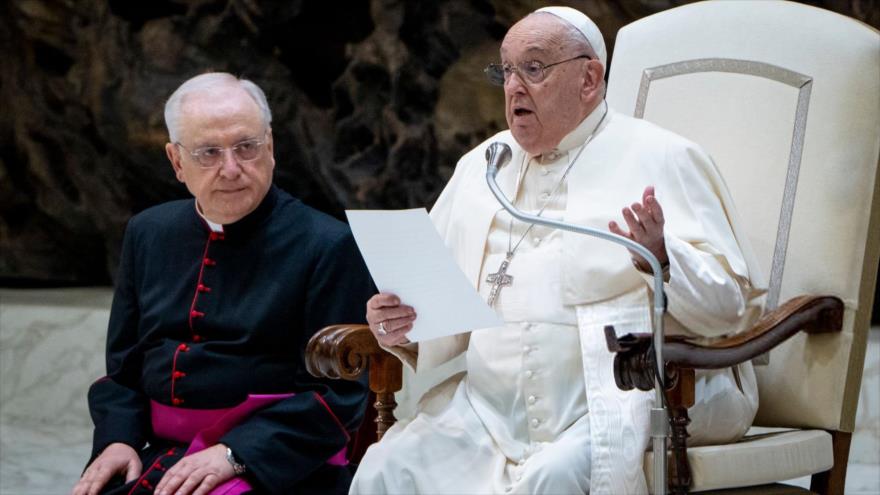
<point x="381" y="330"/>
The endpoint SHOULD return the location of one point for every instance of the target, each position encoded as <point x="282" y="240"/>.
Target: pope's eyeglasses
<point x="531" y="72"/>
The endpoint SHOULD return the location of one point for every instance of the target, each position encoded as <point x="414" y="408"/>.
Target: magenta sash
<point x="203" y="428"/>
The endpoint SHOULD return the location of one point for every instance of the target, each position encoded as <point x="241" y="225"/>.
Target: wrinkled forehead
<point x="536" y="34"/>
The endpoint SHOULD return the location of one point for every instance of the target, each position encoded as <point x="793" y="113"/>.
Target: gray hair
<point x="577" y="39"/>
<point x="208" y="81"/>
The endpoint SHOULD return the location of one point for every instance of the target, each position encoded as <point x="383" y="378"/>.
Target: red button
<point x="145" y="483"/>
<point x="197" y="338"/>
<point x="210" y="262"/>
<point x="177" y="401"/>
<point x="183" y="347"/>
<point x="215" y="236"/>
<point x="179" y="374"/>
<point x="196" y="314"/>
<point x="204" y="288"/>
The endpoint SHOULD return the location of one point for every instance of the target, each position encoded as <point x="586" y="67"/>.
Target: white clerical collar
<point x="215" y="227"/>
<point x="580" y="133"/>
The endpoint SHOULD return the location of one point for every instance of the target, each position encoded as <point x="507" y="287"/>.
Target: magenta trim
<point x="182" y="424"/>
<point x="340" y="458"/>
<point x="202" y="428"/>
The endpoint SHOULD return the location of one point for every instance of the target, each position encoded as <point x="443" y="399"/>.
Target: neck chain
<point x="500" y="278"/>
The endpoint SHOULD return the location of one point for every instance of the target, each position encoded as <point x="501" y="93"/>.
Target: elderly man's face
<point x="223" y="118"/>
<point x="540" y="115"/>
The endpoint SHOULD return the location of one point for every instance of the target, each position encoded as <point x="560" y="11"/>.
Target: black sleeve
<point x="285" y="442"/>
<point x="118" y="407"/>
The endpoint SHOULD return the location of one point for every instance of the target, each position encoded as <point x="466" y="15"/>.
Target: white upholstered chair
<point x="786" y="99"/>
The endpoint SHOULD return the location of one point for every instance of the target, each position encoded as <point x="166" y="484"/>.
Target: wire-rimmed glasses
<point x="212" y="156"/>
<point x="531" y="72"/>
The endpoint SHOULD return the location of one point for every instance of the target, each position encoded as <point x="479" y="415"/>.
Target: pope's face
<point x="223" y="117"/>
<point x="540" y="114"/>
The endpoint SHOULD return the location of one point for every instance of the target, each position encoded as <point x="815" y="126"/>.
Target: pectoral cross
<point x="499" y="279"/>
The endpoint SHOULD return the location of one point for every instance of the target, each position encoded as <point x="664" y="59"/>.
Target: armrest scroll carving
<point x="341" y="351"/>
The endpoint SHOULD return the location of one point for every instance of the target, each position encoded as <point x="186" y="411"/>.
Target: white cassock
<point x="538" y="410"/>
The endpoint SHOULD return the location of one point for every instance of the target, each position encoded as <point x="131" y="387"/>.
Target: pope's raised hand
<point x="645" y="222"/>
<point x="389" y="319"/>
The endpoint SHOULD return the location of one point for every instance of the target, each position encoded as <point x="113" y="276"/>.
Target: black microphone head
<point x="498" y="154"/>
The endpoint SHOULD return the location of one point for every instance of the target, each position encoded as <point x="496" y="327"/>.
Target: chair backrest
<point x="786" y="99"/>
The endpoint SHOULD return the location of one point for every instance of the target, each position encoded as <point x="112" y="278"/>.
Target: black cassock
<point x="200" y="320"/>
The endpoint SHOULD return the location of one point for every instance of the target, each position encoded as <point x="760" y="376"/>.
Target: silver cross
<point x="499" y="279"/>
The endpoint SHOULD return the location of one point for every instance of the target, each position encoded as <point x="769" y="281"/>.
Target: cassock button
<point x="145" y="483"/>
<point x="217" y="236"/>
<point x="196" y="314"/>
<point x="197" y="338"/>
<point x="545" y="171"/>
<point x="177" y="401"/>
<point x="204" y="288"/>
<point x="183" y="348"/>
<point x="179" y="374"/>
<point x="545" y="196"/>
<point x="209" y="262"/>
<point x="532" y="399"/>
<point x="529" y="373"/>
<point x="526" y="348"/>
<point x="535" y="422"/>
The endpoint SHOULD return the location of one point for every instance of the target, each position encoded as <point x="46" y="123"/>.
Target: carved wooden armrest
<point x="345" y="351"/>
<point x="634" y="361"/>
<point x="341" y="351"/>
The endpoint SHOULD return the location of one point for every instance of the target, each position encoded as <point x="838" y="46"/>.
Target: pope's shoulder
<point x="641" y="133"/>
<point x="636" y="133"/>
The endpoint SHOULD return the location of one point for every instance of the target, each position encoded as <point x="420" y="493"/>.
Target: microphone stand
<point x="497" y="155"/>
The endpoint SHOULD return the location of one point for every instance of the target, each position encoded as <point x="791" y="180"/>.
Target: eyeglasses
<point x="532" y="72"/>
<point x="212" y="156"/>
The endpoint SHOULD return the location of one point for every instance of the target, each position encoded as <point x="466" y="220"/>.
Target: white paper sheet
<point x="407" y="257"/>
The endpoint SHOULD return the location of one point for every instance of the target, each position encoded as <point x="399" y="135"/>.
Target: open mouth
<point x="521" y="112"/>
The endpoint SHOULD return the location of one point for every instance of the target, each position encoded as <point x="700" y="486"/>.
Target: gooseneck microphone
<point x="497" y="156"/>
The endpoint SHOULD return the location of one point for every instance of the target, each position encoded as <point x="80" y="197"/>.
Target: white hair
<point x="205" y="82"/>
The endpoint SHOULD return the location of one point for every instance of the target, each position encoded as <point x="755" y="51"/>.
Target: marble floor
<point x="51" y="346"/>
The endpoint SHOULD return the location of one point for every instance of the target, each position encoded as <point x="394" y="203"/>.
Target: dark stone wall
<point x="373" y="102"/>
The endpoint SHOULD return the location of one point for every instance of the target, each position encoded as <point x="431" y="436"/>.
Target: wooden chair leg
<point x="680" y="397"/>
<point x="386" y="378"/>
<point x="833" y="481"/>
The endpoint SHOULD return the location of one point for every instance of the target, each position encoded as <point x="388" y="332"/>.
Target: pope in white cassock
<point x="537" y="410"/>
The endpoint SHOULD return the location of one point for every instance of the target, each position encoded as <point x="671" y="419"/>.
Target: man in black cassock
<point x="206" y="388"/>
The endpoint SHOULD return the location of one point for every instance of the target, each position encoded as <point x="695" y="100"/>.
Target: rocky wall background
<point x="373" y="102"/>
